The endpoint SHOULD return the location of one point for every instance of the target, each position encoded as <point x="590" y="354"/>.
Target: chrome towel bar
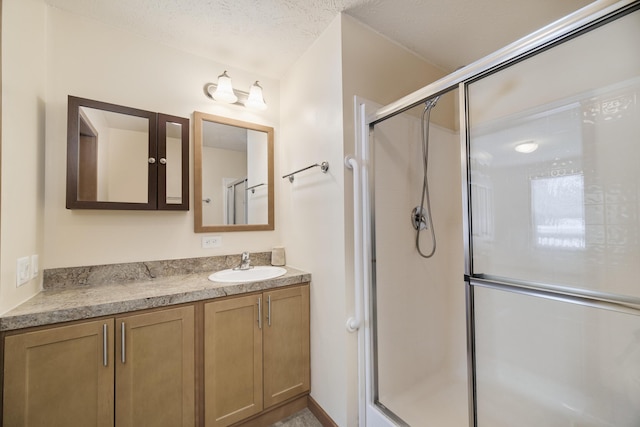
<point x="324" y="167"/>
<point x="253" y="187"/>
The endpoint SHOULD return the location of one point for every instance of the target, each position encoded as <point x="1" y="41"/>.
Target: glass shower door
<point x="554" y="194"/>
<point x="419" y="318"/>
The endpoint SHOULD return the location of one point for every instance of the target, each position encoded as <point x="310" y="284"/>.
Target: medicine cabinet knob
<point x="152" y="160"/>
<point x="163" y="161"/>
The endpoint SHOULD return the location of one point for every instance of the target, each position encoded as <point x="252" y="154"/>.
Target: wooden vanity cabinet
<point x="155" y="362"/>
<point x="61" y="376"/>
<point x="232" y="360"/>
<point x="286" y="345"/>
<point x="64" y="375"/>
<point x="256" y="353"/>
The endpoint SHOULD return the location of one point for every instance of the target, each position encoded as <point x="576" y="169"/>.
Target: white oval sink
<point x="260" y="272"/>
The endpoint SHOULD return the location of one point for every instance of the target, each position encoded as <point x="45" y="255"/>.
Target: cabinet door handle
<point x="122" y="329"/>
<point x="163" y="161"/>
<point x="259" y="313"/>
<point x="269" y="310"/>
<point x="105" y="344"/>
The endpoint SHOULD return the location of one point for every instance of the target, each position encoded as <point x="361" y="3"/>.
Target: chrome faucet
<point x="245" y="262"/>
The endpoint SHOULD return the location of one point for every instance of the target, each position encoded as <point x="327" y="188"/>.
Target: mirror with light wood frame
<point x="233" y="175"/>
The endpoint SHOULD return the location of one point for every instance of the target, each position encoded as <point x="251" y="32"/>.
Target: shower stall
<point x="527" y="313"/>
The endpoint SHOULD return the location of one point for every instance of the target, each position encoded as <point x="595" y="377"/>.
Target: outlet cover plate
<point x="23" y="271"/>
<point x="209" y="242"/>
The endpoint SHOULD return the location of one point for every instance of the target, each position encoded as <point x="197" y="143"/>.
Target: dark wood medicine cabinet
<point x="123" y="158"/>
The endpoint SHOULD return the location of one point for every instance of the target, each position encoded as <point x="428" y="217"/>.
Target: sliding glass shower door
<point x="554" y="190"/>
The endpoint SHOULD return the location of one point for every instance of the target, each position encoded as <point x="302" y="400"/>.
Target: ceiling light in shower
<point x="526" y="147"/>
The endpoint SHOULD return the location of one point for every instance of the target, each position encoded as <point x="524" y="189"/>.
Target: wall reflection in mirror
<point x="112" y="148"/>
<point x="234" y="174"/>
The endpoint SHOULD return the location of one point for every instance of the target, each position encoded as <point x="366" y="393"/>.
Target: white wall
<point x="317" y="125"/>
<point x="88" y="59"/>
<point x="23" y="124"/>
<point x="312" y="207"/>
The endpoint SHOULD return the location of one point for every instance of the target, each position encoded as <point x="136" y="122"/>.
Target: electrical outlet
<point x="209" y="242"/>
<point x="35" y="270"/>
<point x="23" y="271"/>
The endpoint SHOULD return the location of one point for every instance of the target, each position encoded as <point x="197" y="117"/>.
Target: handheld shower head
<point x="430" y="103"/>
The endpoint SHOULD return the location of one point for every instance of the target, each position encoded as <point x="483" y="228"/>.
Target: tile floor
<point x="303" y="418"/>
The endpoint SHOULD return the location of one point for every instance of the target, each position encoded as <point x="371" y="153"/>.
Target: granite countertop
<point x="79" y="301"/>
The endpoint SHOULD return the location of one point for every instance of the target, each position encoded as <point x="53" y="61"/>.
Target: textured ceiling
<point x="267" y="36"/>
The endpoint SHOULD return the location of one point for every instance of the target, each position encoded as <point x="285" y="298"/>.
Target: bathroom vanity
<point x="166" y="350"/>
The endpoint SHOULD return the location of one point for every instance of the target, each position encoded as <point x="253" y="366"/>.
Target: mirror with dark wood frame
<point x="125" y="158"/>
<point x="233" y="183"/>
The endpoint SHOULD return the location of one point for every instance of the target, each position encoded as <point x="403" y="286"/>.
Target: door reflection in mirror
<point x="174" y="163"/>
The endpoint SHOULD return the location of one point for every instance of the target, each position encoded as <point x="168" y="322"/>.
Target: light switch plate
<point x="23" y="271"/>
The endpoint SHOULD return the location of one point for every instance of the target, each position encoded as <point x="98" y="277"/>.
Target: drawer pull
<point x="122" y="330"/>
<point x="259" y="313"/>
<point x="105" y="344"/>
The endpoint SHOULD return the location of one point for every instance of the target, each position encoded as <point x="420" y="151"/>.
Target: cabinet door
<point x="286" y="344"/>
<point x="232" y="360"/>
<point x="155" y="378"/>
<point x="62" y="376"/>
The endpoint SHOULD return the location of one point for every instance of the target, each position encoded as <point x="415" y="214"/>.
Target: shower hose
<point x="425" y="201"/>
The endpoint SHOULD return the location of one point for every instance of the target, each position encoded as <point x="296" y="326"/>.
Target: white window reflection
<point x="558" y="211"/>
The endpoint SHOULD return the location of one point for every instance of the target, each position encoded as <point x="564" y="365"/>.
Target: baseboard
<point x="319" y="413"/>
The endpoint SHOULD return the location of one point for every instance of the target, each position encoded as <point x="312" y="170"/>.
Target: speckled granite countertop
<point x="78" y="293"/>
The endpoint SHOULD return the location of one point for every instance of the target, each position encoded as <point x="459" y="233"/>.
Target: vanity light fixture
<point x="223" y="91"/>
<point x="526" y="147"/>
